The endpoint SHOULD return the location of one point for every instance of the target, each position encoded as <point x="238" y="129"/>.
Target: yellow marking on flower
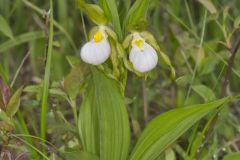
<point x="138" y="42"/>
<point x="98" y="36"/>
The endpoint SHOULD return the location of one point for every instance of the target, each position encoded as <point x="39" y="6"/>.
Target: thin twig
<point x="19" y="68"/>
<point x="229" y="69"/>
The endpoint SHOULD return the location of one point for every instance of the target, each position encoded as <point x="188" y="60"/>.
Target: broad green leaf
<point x="80" y="156"/>
<point x="103" y="121"/>
<point x="206" y="93"/>
<point x="237" y="22"/>
<point x="208" y="5"/>
<point x="14" y="103"/>
<point x="33" y="88"/>
<point x="37" y="89"/>
<point x="58" y="92"/>
<point x="88" y="125"/>
<point x="74" y="80"/>
<point x="232" y="156"/>
<point x="5" y="122"/>
<point x="208" y="65"/>
<point x="170" y="155"/>
<point x="111" y="10"/>
<point x="184" y="80"/>
<point x="5" y="28"/>
<point x="23" y="38"/>
<point x="168" y="127"/>
<point x="136" y="13"/>
<point x="4" y="116"/>
<point x="94" y="12"/>
<point x="73" y="60"/>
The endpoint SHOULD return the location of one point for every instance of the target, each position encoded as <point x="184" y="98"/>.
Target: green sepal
<point x="93" y="11"/>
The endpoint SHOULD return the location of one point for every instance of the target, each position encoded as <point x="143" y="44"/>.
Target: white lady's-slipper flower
<point x="97" y="50"/>
<point x="143" y="56"/>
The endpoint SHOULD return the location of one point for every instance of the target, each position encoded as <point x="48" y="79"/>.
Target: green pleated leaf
<point x="103" y="121"/>
<point x="137" y="13"/>
<point x="110" y="9"/>
<point x="5" y="28"/>
<point x="80" y="156"/>
<point x="168" y="127"/>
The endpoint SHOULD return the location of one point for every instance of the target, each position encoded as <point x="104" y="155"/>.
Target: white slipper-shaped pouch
<point x="142" y="56"/>
<point x="97" y="50"/>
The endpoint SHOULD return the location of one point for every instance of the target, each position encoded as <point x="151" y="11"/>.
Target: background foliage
<point x="200" y="38"/>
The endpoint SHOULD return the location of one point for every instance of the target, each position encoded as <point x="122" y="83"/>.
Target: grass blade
<point x="110" y="9"/>
<point x="31" y="146"/>
<point x="23" y="38"/>
<point x="47" y="75"/>
<point x="5" y="28"/>
<point x="136" y="13"/>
